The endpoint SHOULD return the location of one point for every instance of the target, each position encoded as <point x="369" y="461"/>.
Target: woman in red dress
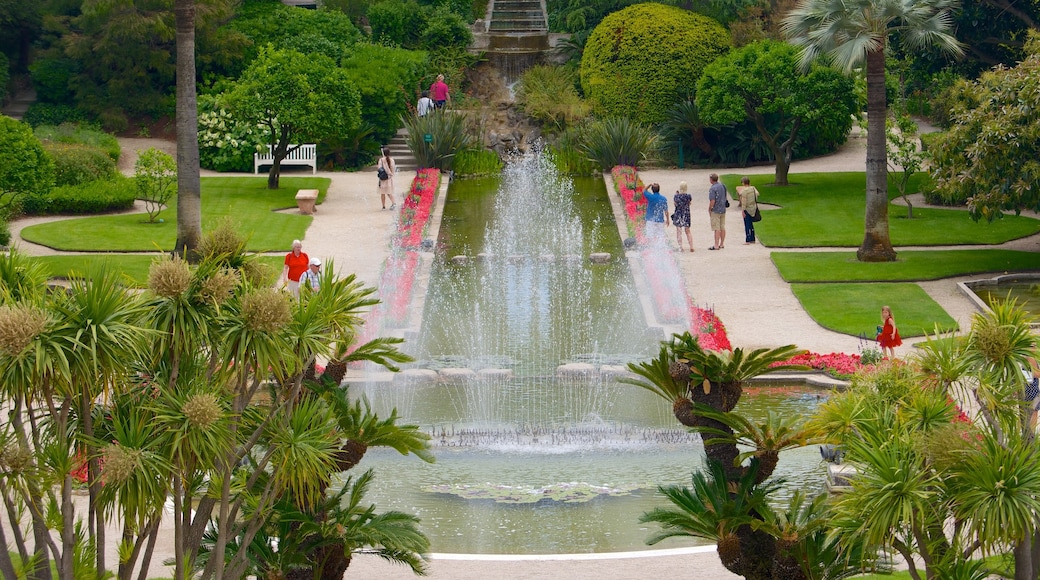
<point x="888" y="335"/>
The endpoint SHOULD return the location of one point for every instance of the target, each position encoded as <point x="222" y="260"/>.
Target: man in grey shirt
<point x="717" y="210"/>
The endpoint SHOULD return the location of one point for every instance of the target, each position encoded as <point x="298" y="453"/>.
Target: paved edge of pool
<point x="591" y="556"/>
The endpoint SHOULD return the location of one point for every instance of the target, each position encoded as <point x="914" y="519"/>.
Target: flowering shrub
<point x="415" y="210"/>
<point x="630" y="188"/>
<point x="708" y="329"/>
<point x="837" y="364"/>
<point x="226" y="144"/>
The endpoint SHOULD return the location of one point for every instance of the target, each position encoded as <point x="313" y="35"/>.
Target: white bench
<point x="306" y="155"/>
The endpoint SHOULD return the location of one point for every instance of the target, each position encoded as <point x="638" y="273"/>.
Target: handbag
<point x="758" y="215"/>
<point x="382" y="174"/>
<point x="727" y="203"/>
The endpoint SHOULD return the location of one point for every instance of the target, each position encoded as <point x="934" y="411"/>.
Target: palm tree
<point x="849" y="32"/>
<point x="189" y="186"/>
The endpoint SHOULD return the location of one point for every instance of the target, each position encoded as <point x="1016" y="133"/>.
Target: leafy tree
<point x="155" y="174"/>
<point x="299" y="98"/>
<point x="385" y="77"/>
<point x="991" y="155"/>
<point x="398" y="21"/>
<point x="931" y="483"/>
<point x="640" y="61"/>
<point x="327" y="32"/>
<point x="848" y="33"/>
<point x="761" y="82"/>
<point x="28" y="170"/>
<point x="904" y="153"/>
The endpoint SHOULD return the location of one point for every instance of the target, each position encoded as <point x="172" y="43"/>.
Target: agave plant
<point x="446" y="134"/>
<point x="619" y="141"/>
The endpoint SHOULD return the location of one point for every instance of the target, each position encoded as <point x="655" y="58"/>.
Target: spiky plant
<point x="765" y="440"/>
<point x="619" y="141"/>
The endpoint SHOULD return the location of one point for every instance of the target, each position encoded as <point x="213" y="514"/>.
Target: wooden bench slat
<point x="305" y="155"/>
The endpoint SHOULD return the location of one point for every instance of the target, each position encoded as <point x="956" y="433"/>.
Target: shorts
<point x="718" y="222"/>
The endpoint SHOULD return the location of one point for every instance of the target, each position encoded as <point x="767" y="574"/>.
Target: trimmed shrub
<point x="381" y="74"/>
<point x="78" y="134"/>
<point x="27" y="168"/>
<point x="52" y="114"/>
<point x="75" y="164"/>
<point x="110" y="195"/>
<point x="645" y="58"/>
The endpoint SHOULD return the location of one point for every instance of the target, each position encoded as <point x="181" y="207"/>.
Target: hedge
<point x="104" y="196"/>
<point x="75" y="164"/>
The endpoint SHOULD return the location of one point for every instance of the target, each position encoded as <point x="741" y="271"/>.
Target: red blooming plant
<point x="630" y="188"/>
<point x="837" y="364"/>
<point x="708" y="329"/>
<point x="415" y="210"/>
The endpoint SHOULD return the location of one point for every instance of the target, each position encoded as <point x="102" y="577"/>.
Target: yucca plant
<point x="447" y="135"/>
<point x="619" y="141"/>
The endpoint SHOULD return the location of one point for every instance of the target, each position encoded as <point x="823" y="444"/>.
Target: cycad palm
<point x="848" y="32"/>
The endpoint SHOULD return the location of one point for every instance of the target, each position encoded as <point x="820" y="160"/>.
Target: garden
<point x="233" y="371"/>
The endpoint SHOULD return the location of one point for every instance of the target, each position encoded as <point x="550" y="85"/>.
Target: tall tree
<point x="849" y="32"/>
<point x="189" y="185"/>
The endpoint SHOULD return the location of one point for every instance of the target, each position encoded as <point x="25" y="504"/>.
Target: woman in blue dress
<point x="681" y="217"/>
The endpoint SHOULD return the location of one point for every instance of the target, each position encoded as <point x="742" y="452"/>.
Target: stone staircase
<point x="19" y="104"/>
<point x="517" y="16"/>
<point x="402" y="155"/>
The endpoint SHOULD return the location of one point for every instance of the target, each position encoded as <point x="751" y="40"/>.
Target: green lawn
<point x="910" y="265"/>
<point x="826" y="210"/>
<point x="246" y="200"/>
<point x="855" y="309"/>
<point x="133" y="266"/>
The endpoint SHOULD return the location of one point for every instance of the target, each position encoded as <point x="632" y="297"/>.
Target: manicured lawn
<point x="826" y="210"/>
<point x="246" y="200"/>
<point x="133" y="266"/>
<point x="855" y="309"/>
<point x="910" y="265"/>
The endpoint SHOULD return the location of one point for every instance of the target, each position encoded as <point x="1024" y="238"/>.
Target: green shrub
<point x="50" y="77"/>
<point x="306" y="31"/>
<point x="380" y="73"/>
<point x="645" y="58"/>
<point x="53" y="114"/>
<point x="619" y="141"/>
<point x="568" y="155"/>
<point x="75" y="163"/>
<point x="114" y="194"/>
<point x="27" y="169"/>
<point x="474" y="162"/>
<point x="448" y="137"/>
<point x="225" y="143"/>
<point x="445" y="29"/>
<point x="5" y="232"/>
<point x="548" y="94"/>
<point x="77" y="133"/>
<point x="399" y="22"/>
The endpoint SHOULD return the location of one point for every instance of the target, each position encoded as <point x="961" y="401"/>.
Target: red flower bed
<point x="630" y="188"/>
<point x="415" y="210"/>
<point x="838" y="364"/>
<point x="709" y="330"/>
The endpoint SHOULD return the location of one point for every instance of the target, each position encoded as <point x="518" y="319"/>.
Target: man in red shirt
<point x="439" y="92"/>
<point x="296" y="263"/>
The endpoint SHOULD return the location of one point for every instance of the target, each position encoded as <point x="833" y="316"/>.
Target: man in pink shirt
<point x="439" y="92"/>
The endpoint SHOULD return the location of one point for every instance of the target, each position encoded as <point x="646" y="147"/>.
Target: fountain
<point x="539" y="448"/>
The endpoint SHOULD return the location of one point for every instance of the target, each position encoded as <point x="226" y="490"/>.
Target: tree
<point x="189" y="184"/>
<point x="904" y="153"/>
<point x="761" y="82"/>
<point x="990" y="157"/>
<point x="299" y="97"/>
<point x="28" y="169"/>
<point x="643" y="59"/>
<point x="729" y="504"/>
<point x="155" y="175"/>
<point x="848" y="33"/>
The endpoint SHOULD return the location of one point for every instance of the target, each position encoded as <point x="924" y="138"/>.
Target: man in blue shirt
<point x="656" y="214"/>
<point x="718" y="198"/>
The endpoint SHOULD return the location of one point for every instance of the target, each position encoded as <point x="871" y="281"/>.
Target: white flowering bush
<point x="226" y="144"/>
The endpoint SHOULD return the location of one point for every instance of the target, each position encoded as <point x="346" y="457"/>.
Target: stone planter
<point x="305" y="199"/>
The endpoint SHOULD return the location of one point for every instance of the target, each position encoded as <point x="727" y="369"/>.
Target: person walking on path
<point x="681" y="216"/>
<point x="439" y="92"/>
<point x="425" y="104"/>
<point x="312" y="277"/>
<point x="748" y="201"/>
<point x="717" y="211"/>
<point x="888" y="334"/>
<point x="385" y="169"/>
<point x="295" y="265"/>
<point x="656" y="214"/>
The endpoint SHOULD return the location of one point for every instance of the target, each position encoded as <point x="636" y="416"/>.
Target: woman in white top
<point x="386" y="186"/>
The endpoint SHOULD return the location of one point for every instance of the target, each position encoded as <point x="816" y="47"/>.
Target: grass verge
<point x="855" y="309"/>
<point x="246" y="200"/>
<point x="134" y="267"/>
<point x="910" y="266"/>
<point x="826" y="210"/>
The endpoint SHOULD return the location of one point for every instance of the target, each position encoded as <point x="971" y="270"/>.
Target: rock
<point x="495" y="373"/>
<point x="459" y="260"/>
<point x="575" y="370"/>
<point x="455" y="374"/>
<point x="599" y="257"/>
<point x="413" y="376"/>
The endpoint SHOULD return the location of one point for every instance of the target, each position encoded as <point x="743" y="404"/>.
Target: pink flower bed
<point x="709" y="330"/>
<point x="630" y="188"/>
<point x="415" y="210"/>
<point x="836" y="363"/>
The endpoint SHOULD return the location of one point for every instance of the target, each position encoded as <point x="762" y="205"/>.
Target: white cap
<point x="315" y="262"/>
